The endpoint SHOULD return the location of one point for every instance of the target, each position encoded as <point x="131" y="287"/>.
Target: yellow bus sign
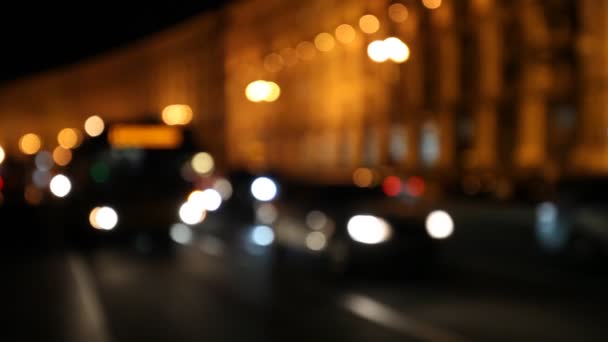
<point x="145" y="136"/>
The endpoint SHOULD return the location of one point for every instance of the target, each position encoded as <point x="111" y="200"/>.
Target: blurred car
<point x="573" y="222"/>
<point x="131" y="183"/>
<point x="349" y="228"/>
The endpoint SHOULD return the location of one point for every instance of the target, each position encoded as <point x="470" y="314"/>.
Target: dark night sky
<point x="38" y="37"/>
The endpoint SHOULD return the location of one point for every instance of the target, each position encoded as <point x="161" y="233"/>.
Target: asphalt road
<point x="122" y="295"/>
<point x="217" y="289"/>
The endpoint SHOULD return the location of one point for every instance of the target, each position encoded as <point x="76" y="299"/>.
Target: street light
<point x="262" y="91"/>
<point x="391" y="48"/>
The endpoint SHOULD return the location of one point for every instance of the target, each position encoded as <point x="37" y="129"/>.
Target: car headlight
<point x="104" y="218"/>
<point x="439" y="224"/>
<point x="264" y="189"/>
<point x="368" y="229"/>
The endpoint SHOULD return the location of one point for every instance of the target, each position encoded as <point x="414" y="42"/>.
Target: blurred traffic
<point x="335" y="170"/>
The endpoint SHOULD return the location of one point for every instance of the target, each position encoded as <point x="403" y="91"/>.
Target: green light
<point x="100" y="172"/>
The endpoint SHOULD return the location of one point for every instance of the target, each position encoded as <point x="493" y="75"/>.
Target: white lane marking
<point x="376" y="312"/>
<point x="94" y="319"/>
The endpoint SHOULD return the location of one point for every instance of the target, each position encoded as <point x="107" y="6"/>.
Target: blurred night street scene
<point x="305" y="170"/>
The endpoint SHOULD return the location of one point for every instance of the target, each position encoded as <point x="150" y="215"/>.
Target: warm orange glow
<point x="94" y="126"/>
<point x="431" y="4"/>
<point x="62" y="156"/>
<point x="369" y="24"/>
<point x="260" y="90"/>
<point x="32" y="195"/>
<point x="144" y="136"/>
<point x="391" y="48"/>
<point x="2" y="154"/>
<point x="377" y="51"/>
<point x="306" y="51"/>
<point x="290" y="56"/>
<point x="30" y="143"/>
<point x="257" y="91"/>
<point x="273" y="62"/>
<point x="345" y="34"/>
<point x="398" y="12"/>
<point x="68" y="138"/>
<point x="398" y="51"/>
<point x="363" y="177"/>
<point x="325" y="42"/>
<point x="275" y="92"/>
<point x="177" y="114"/>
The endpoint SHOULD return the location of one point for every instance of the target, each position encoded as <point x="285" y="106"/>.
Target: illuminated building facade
<point x="488" y="88"/>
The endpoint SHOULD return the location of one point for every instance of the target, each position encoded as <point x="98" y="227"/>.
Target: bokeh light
<point x="275" y="92"/>
<point x="273" y="62"/>
<point x="223" y="187"/>
<point x="32" y="195"/>
<point x="368" y="229"/>
<point x="392" y="186"/>
<point x="94" y="126"/>
<point x="398" y="51"/>
<point x="180" y="233"/>
<point x="209" y="199"/>
<point x="44" y="160"/>
<point x="68" y="138"/>
<point x="377" y="51"/>
<point x="30" y="144"/>
<point x="415" y="186"/>
<point x="290" y="56"/>
<point x="316" y="220"/>
<point x="369" y="24"/>
<point x="345" y="34"/>
<point x="316" y="241"/>
<point x="257" y="91"/>
<point x="439" y="224"/>
<point x="431" y="4"/>
<point x="104" y="218"/>
<point x="262" y="235"/>
<point x="177" y="115"/>
<point x="325" y="42"/>
<point x="202" y="163"/>
<point x="62" y="156"/>
<point x="190" y="213"/>
<point x="363" y="177"/>
<point x="60" y="186"/>
<point x="398" y="12"/>
<point x="267" y="213"/>
<point x="2" y="155"/>
<point x="264" y="189"/>
<point x="306" y="51"/>
<point x="41" y="179"/>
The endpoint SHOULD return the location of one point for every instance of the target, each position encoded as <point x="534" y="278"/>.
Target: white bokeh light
<point x="181" y="233"/>
<point x="368" y="229"/>
<point x="60" y="185"/>
<point x="262" y="235"/>
<point x="191" y="213"/>
<point x="264" y="189"/>
<point x="104" y="218"/>
<point x="439" y="225"/>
